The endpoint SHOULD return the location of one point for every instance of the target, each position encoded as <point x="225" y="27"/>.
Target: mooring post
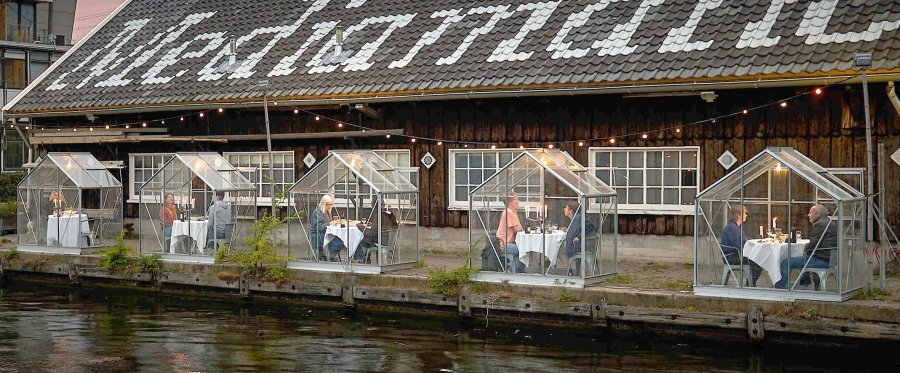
<point x="755" y="329"/>
<point x="244" y="285"/>
<point x="73" y="274"/>
<point x="598" y="313"/>
<point x="347" y="291"/>
<point x="465" y="302"/>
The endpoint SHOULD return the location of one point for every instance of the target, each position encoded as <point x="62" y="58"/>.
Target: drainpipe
<point x="892" y="95"/>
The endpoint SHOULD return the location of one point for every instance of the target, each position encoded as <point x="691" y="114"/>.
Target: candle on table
<point x="545" y="211"/>
<point x="773" y="223"/>
<point x="760" y="231"/>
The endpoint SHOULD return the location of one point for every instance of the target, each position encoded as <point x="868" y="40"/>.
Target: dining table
<point x="545" y="243"/>
<point x="769" y="254"/>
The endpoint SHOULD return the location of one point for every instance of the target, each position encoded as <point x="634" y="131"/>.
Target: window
<point x="469" y="168"/>
<point x="140" y="168"/>
<point x="255" y="167"/>
<point x="650" y="180"/>
<point x="14" y="73"/>
<point x="13" y="151"/>
<point x="395" y="157"/>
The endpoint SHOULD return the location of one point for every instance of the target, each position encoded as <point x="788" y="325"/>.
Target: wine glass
<point x="770" y="233"/>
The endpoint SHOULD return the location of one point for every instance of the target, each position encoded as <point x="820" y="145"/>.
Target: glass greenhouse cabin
<point x="69" y="203"/>
<point x="353" y="212"/>
<point x="195" y="203"/>
<point x="780" y="227"/>
<point x="543" y="219"/>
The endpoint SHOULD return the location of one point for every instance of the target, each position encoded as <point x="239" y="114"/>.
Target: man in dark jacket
<point x="822" y="239"/>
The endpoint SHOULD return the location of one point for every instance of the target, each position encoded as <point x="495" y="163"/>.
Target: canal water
<point x="75" y="330"/>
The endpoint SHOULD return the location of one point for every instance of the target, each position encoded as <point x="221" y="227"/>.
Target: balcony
<point x="19" y="34"/>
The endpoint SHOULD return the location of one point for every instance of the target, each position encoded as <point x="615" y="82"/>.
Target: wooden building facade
<point x="160" y="77"/>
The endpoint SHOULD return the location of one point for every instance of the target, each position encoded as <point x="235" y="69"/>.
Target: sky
<point x="89" y="13"/>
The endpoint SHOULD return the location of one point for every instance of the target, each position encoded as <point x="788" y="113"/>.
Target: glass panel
<point x="462" y="160"/>
<point x="602" y="159"/>
<point x="636" y="159"/>
<point x="687" y="196"/>
<point x="670" y="159"/>
<point x="635" y="178"/>
<point x="688" y="159"/>
<point x="475" y="160"/>
<point x="670" y="196"/>
<point x="688" y="178"/>
<point x="636" y="196"/>
<point x="619" y="159"/>
<point x="654" y="195"/>
<point x="654" y="159"/>
<point x="654" y="177"/>
<point x="620" y="178"/>
<point x="670" y="178"/>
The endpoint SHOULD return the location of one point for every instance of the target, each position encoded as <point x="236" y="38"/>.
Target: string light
<point x="550" y="146"/>
<point x="388" y="135"/>
<point x="783" y="103"/>
<point x="182" y="119"/>
<point x="92" y="129"/>
<point x="127" y="126"/>
<point x="296" y="111"/>
<point x="163" y="121"/>
<point x="74" y="129"/>
<point x="201" y="115"/>
<point x="412" y="140"/>
<point x="340" y="125"/>
<point x="144" y="124"/>
<point x="221" y="110"/>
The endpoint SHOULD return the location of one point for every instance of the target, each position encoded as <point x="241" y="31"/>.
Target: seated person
<point x="573" y="231"/>
<point x="219" y="216"/>
<point x="318" y="224"/>
<point x="822" y="238"/>
<point x="506" y="233"/>
<point x="732" y="242"/>
<point x="370" y="238"/>
<point x="168" y="213"/>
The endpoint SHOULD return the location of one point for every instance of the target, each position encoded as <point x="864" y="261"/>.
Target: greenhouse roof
<point x="368" y="166"/>
<point x="556" y="163"/>
<point x="783" y="158"/>
<point x="82" y="169"/>
<point x="215" y="171"/>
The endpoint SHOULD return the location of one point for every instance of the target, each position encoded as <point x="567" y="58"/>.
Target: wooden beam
<point x="309" y="135"/>
<point x="101" y="138"/>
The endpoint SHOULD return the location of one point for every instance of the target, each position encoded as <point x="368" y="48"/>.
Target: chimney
<point x="338" y="41"/>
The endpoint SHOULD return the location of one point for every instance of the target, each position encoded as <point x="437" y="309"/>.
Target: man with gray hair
<point x="822" y="239"/>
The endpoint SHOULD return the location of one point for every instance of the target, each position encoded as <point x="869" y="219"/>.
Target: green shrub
<point x="151" y="263"/>
<point x="448" y="283"/>
<point x="8" y="183"/>
<point x="115" y="258"/>
<point x="12" y="254"/>
<point x="221" y="252"/>
<point x="7" y="209"/>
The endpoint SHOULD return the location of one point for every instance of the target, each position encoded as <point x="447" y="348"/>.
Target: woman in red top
<point x="167" y="214"/>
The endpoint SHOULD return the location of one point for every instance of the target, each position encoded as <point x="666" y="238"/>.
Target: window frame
<point x="261" y="170"/>
<point x="645" y="208"/>
<point x="452" y="203"/>
<point x="134" y="189"/>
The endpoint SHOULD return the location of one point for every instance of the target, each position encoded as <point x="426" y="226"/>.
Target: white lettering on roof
<point x="562" y="48"/>
<point x="450" y="17"/>
<point x="756" y="34"/>
<point x="540" y="13"/>
<point x="499" y="13"/>
<point x="678" y="39"/>
<point x="617" y="42"/>
<point x="131" y="29"/>
<point x="815" y="22"/>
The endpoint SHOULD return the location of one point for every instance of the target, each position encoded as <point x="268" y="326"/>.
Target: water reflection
<point x="84" y="331"/>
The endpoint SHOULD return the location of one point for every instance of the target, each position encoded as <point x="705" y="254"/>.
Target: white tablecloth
<point x="531" y="242"/>
<point x="770" y="254"/>
<point x="65" y="230"/>
<point x="351" y="233"/>
<point x="196" y="230"/>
